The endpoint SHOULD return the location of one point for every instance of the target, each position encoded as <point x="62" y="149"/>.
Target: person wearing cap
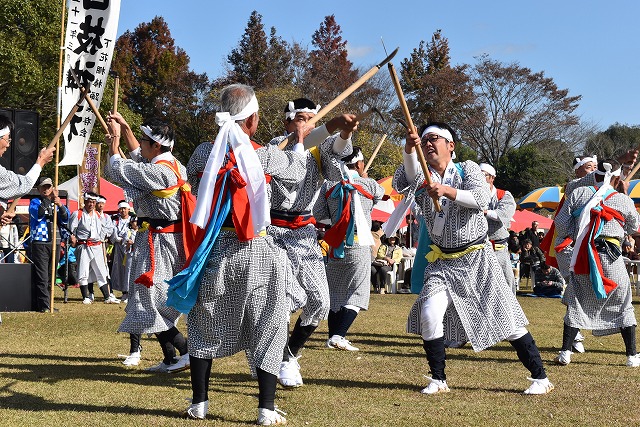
<point x="499" y="212"/>
<point x="465" y="295"/>
<point x="88" y="233"/>
<point x="348" y="204"/>
<point x="596" y="218"/>
<point x="292" y="222"/>
<point x="41" y="210"/>
<point x="235" y="287"/>
<point x="154" y="179"/>
<point x="122" y="239"/>
<point x="13" y="185"/>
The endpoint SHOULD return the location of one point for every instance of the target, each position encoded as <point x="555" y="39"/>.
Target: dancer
<point x="88" y="233"/>
<point x="348" y="204"/>
<point x="499" y="212"/>
<point x="293" y="226"/>
<point x="465" y="295"/>
<point x="122" y="239"/>
<point x="153" y="179"/>
<point x="599" y="293"/>
<point x="234" y="286"/>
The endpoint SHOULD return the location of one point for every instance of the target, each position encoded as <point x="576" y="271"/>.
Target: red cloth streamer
<point x="146" y="279"/>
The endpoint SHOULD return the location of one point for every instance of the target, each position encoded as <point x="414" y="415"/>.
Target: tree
<point x="330" y="72"/>
<point x="514" y="107"/>
<point x="156" y="83"/>
<point x="29" y="52"/>
<point x="259" y="62"/>
<point x="613" y="142"/>
<point x="435" y="91"/>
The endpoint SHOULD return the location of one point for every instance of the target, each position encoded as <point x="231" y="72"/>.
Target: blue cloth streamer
<point x="184" y="286"/>
<point x="339" y="192"/>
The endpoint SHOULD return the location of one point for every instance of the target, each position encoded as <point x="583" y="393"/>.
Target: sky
<point x="591" y="48"/>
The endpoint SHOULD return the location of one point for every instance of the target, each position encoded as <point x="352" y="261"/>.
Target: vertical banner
<point x="89" y="171"/>
<point x="92" y="27"/>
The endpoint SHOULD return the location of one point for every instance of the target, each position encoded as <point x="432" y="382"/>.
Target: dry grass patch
<point x="62" y="369"/>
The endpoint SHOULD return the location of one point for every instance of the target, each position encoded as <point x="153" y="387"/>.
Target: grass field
<point x="62" y="369"/>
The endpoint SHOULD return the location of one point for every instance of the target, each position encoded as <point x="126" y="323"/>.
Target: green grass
<point x="62" y="369"/>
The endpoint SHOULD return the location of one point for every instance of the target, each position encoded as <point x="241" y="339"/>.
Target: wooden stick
<point x="412" y="129"/>
<point x="375" y="152"/>
<point x="632" y="172"/>
<point x="324" y="111"/>
<point x="116" y="86"/>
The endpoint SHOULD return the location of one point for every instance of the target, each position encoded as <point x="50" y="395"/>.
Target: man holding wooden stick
<point x="465" y="295"/>
<point x="293" y="225"/>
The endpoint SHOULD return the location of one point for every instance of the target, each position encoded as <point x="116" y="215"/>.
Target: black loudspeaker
<point x="15" y="287"/>
<point x="23" y="151"/>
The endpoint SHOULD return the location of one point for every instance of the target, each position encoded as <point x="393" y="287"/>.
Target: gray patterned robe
<point x="301" y="244"/>
<point x="484" y="310"/>
<point x="499" y="230"/>
<point x="349" y="278"/>
<point x="147" y="311"/>
<point x="242" y="302"/>
<point x="13" y="185"/>
<point x="584" y="311"/>
<point x="121" y="268"/>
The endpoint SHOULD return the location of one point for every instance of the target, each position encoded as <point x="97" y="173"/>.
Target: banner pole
<point x="54" y="246"/>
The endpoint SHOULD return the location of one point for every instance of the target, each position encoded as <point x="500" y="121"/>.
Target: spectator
<point x="388" y="255"/>
<point x="41" y="210"/>
<point x="67" y="273"/>
<point x="549" y="282"/>
<point x="627" y="251"/>
<point x="411" y="237"/>
<point x="532" y="234"/>
<point x="8" y="242"/>
<point x="530" y="258"/>
<point x="377" y="233"/>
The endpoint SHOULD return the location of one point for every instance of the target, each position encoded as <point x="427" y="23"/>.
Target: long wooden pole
<point x="412" y="129"/>
<point x="632" y="172"/>
<point x="375" y="152"/>
<point x="324" y="111"/>
<point x="54" y="229"/>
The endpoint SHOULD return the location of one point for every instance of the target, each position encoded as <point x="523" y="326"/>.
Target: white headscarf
<point x="249" y="167"/>
<point x="584" y="161"/>
<point x="291" y="113"/>
<point x="162" y="140"/>
<point x="4" y="131"/>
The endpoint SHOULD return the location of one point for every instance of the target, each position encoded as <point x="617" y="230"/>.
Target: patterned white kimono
<point x="13" y="185"/>
<point x="90" y="257"/>
<point x="122" y="254"/>
<point x="584" y="311"/>
<point x="147" y="311"/>
<point x="301" y="244"/>
<point x="498" y="232"/>
<point x="484" y="310"/>
<point x="242" y="302"/>
<point x="349" y="277"/>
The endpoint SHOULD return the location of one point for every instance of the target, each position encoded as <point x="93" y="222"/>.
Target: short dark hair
<point x="300" y="103"/>
<point x="5" y="122"/>
<point x="356" y="150"/>
<point x="525" y="241"/>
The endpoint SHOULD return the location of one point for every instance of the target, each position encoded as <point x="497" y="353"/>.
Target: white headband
<point x="124" y="205"/>
<point x="486" y="167"/>
<point x="157" y="138"/>
<point x="438" y="131"/>
<point x="88" y="196"/>
<point x="291" y="113"/>
<point x="356" y="159"/>
<point x="580" y="163"/>
<point x="4" y="131"/>
<point x="248" y="110"/>
<point x="101" y="200"/>
<point x="608" y="167"/>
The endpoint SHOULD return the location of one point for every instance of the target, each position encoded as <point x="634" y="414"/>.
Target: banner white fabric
<point x="92" y="27"/>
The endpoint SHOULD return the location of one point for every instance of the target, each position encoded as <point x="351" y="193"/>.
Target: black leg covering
<point x="299" y="336"/>
<point x="168" y="350"/>
<point x="90" y="288"/>
<point x="266" y="389"/>
<point x="568" y="336"/>
<point x="84" y="290"/>
<point x="200" y="374"/>
<point x="105" y="291"/>
<point x="175" y="337"/>
<point x="134" y="343"/>
<point x="629" y="337"/>
<point x="333" y="320"/>
<point x="529" y="355"/>
<point x="436" y="357"/>
<point x="348" y="316"/>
